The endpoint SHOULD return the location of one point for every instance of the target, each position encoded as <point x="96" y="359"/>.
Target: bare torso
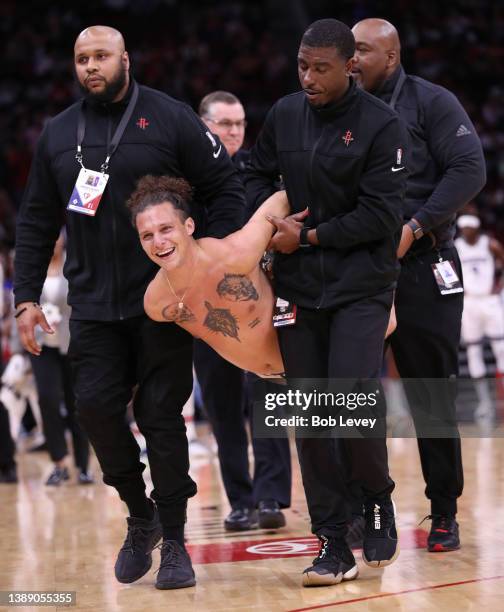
<point x="228" y="309"/>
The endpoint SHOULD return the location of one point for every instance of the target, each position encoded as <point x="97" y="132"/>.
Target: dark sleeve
<point x="38" y="225"/>
<point x="262" y="171"/>
<point x="457" y="150"/>
<point x="206" y="165"/>
<point x="378" y="212"/>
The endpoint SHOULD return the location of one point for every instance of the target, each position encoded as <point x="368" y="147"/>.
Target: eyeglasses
<point x="227" y="124"/>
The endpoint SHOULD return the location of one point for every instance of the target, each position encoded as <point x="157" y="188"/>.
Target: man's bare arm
<point x="151" y="302"/>
<point x="248" y="244"/>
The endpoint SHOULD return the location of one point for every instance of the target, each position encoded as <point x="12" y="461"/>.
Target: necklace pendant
<point x="181" y="305"/>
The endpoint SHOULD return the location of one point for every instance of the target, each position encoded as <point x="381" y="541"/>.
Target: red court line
<point x="393" y="594"/>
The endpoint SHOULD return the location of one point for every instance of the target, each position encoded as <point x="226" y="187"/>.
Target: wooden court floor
<point x="67" y="538"/>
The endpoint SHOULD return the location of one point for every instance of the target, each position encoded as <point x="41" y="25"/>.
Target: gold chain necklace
<point x="180" y="299"/>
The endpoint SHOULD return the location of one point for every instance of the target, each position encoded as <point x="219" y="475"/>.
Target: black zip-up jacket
<point x="446" y="162"/>
<point x="346" y="162"/>
<point x="106" y="267"/>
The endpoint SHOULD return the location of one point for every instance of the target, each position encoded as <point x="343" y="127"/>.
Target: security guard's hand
<point x="31" y="315"/>
<point x="286" y="238"/>
<point x="407" y="239"/>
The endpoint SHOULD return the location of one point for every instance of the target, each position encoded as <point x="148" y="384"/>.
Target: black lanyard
<point x="118" y="134"/>
<point x="397" y="89"/>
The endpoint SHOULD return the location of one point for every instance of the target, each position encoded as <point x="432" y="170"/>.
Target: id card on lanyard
<point x="90" y="184"/>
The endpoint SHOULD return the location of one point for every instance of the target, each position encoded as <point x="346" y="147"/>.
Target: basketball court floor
<point x="66" y="538"/>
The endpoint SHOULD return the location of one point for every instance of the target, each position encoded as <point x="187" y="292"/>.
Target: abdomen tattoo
<point x="222" y="321"/>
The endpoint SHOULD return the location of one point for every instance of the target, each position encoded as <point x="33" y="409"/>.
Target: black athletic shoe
<point x="241" y="519"/>
<point x="8" y="475"/>
<point x="135" y="557"/>
<point x="175" y="571"/>
<point x="335" y="562"/>
<point x="57" y="476"/>
<point x="356" y="529"/>
<point x="444" y="534"/>
<point x="270" y="515"/>
<point x="380" y="545"/>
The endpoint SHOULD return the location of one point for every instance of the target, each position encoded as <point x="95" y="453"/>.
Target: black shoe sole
<point x="166" y="586"/>
<point x="272" y="521"/>
<point x="241" y="527"/>
<point x="312" y="579"/>
<point x="130" y="580"/>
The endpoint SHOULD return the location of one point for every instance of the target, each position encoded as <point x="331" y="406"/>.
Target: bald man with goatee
<point x="85" y="168"/>
<point x="446" y="169"/>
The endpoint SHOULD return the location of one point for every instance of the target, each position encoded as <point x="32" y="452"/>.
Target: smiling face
<point x="165" y="237"/>
<point x="102" y="64"/>
<point x="323" y="74"/>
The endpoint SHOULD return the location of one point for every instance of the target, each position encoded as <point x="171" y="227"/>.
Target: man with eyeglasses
<point x="225" y="389"/>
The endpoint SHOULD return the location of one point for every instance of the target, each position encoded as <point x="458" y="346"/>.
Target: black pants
<point x="7" y="446"/>
<point x="225" y="392"/>
<point x="109" y="359"/>
<point x="341" y="343"/>
<point x="425" y="345"/>
<point x="53" y="378"/>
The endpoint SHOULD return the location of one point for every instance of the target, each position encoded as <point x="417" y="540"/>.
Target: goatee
<point x="111" y="90"/>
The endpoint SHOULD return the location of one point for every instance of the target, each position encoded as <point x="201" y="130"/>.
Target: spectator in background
<point x="53" y="377"/>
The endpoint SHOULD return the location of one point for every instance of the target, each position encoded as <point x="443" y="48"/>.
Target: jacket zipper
<point x="320" y="251"/>
<point x="117" y="271"/>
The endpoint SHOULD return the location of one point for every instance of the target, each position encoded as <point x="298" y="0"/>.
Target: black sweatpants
<point x="7" y="446"/>
<point x="109" y="359"/>
<point x="53" y="378"/>
<point x="225" y="392"/>
<point x="342" y="343"/>
<point x="425" y="345"/>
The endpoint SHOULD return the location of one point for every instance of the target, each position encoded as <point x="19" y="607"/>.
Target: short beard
<point x="111" y="90"/>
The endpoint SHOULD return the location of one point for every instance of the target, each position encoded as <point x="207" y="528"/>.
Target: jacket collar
<point x="335" y="109"/>
<point x="386" y="89"/>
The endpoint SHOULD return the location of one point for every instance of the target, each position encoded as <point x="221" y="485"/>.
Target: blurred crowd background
<point x="190" y="48"/>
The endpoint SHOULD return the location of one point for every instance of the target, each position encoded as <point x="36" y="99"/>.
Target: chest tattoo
<point x="237" y="288"/>
<point x="174" y="314"/>
<point x="220" y="320"/>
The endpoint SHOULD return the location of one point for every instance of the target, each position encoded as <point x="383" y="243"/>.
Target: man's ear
<point x="189" y="225"/>
<point x="349" y="67"/>
<point x="392" y="58"/>
<point x="125" y="60"/>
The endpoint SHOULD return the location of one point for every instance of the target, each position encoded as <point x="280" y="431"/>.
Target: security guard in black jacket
<point x="122" y="131"/>
<point x="337" y="149"/>
<point x="447" y="169"/>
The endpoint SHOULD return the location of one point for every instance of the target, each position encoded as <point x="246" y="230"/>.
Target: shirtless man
<point x="213" y="288"/>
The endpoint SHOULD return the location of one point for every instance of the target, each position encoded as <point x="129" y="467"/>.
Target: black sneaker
<point x="85" y="478"/>
<point x="57" y="476"/>
<point x="335" y="562"/>
<point x="175" y="571"/>
<point x="380" y="547"/>
<point x="135" y="559"/>
<point x="356" y="529"/>
<point x="241" y="519"/>
<point x="8" y="475"/>
<point x="444" y="534"/>
<point x="269" y="514"/>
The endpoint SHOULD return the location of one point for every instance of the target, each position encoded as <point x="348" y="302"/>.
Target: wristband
<point x="416" y="229"/>
<point x="303" y="237"/>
